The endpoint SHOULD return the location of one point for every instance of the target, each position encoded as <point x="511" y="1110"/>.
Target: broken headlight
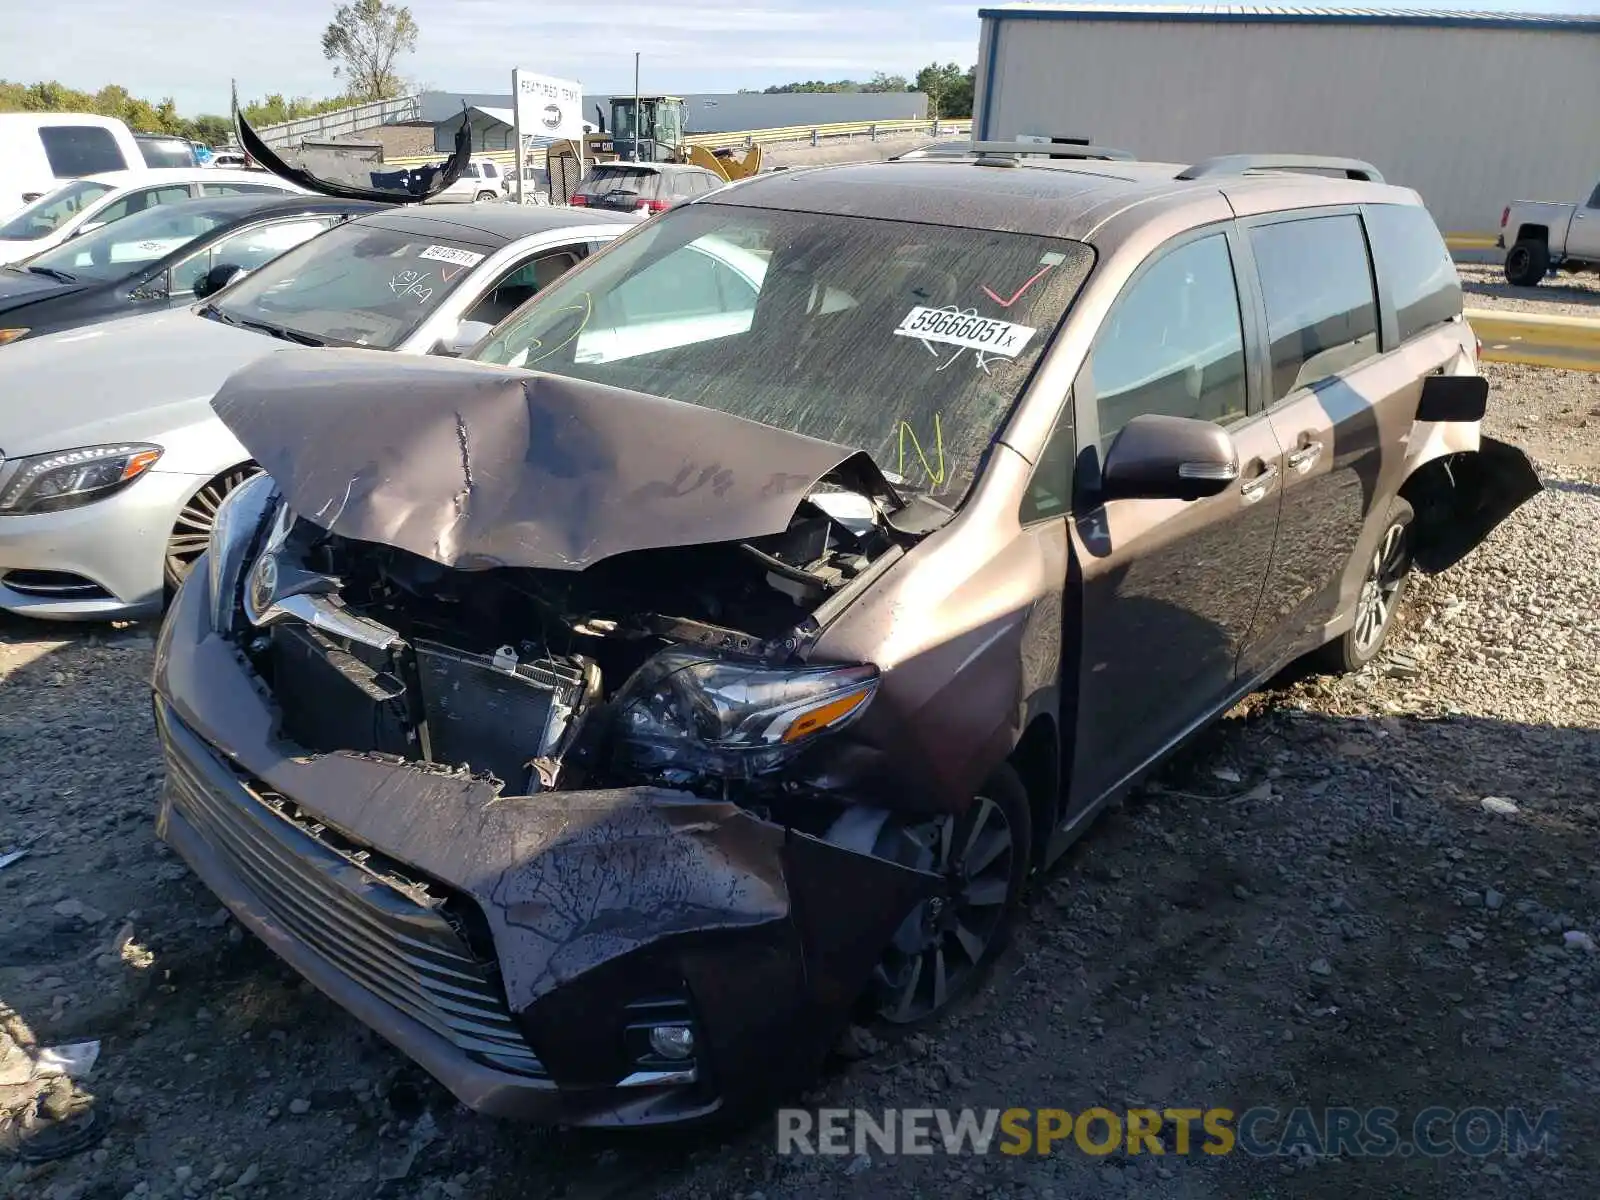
<point x="232" y="530"/>
<point x="687" y="710"/>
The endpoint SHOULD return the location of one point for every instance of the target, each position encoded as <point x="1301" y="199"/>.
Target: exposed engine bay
<point x="649" y="666"/>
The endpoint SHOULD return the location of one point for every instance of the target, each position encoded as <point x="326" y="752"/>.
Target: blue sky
<point x="188" y="49"/>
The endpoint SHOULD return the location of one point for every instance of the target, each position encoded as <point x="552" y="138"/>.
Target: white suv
<point x="480" y="181"/>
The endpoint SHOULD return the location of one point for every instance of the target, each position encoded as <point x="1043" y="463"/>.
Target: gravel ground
<point x="1311" y="907"/>
<point x="1565" y="295"/>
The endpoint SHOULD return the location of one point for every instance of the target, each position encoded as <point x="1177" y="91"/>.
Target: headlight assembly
<point x="238" y="517"/>
<point x="11" y="335"/>
<point x="690" y="710"/>
<point x="69" y="478"/>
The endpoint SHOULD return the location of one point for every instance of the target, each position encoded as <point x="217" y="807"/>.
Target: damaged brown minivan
<point x="609" y="720"/>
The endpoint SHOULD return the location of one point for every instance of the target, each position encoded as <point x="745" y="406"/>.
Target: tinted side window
<point x="75" y="150"/>
<point x="139" y="201"/>
<point x="1415" y="267"/>
<point x="240" y="189"/>
<point x="247" y="249"/>
<point x="1172" y="344"/>
<point x="1322" y="317"/>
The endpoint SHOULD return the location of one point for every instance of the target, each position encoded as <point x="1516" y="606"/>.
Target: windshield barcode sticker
<point x="450" y="254"/>
<point x="953" y="327"/>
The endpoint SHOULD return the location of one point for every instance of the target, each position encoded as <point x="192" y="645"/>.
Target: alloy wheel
<point x="1376" y="606"/>
<point x="192" y="533"/>
<point x="943" y="942"/>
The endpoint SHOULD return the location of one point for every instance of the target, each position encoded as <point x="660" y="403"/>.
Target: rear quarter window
<point x="1414" y="267"/>
<point x="74" y="150"/>
<point x="1316" y="282"/>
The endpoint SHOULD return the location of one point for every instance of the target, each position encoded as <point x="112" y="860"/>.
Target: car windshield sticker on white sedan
<point x="450" y="254"/>
<point x="954" y="327"/>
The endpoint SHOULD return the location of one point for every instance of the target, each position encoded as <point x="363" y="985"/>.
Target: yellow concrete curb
<point x="1537" y="339"/>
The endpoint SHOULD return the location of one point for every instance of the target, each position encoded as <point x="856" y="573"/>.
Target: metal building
<point x="1470" y="109"/>
<point x="707" y="112"/>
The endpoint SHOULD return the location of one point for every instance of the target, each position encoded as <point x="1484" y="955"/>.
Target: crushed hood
<point x="477" y="466"/>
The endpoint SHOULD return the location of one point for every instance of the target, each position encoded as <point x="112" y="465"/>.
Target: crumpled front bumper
<point x="588" y="911"/>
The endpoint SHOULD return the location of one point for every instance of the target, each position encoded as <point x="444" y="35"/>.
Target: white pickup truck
<point x="1537" y="237"/>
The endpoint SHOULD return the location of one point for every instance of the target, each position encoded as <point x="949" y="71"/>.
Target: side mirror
<point x="214" y="280"/>
<point x="152" y="288"/>
<point x="86" y="227"/>
<point x="1168" y="458"/>
<point x="1453" y="398"/>
<point x="467" y="335"/>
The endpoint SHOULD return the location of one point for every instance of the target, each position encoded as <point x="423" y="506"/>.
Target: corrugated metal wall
<point x="1469" y="118"/>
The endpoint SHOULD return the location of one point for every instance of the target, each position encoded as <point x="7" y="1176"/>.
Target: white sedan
<point x="115" y="462"/>
<point x="95" y="200"/>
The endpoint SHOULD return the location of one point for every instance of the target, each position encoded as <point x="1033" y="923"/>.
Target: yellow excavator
<point x="657" y="135"/>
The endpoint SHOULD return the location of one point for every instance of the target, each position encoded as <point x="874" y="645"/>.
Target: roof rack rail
<point x="1240" y="164"/>
<point x="1019" y="149"/>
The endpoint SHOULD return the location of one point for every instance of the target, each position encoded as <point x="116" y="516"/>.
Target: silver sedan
<point x="113" y="461"/>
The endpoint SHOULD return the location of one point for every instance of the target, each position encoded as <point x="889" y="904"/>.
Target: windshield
<point x="117" y="250"/>
<point x="356" y="285"/>
<point x="46" y="214"/>
<point x="910" y="342"/>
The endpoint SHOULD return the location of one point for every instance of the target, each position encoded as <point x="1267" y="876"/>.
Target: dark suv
<point x="608" y="720"/>
<point x="643" y="187"/>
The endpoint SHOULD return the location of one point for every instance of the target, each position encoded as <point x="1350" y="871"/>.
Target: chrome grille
<point x="396" y="947"/>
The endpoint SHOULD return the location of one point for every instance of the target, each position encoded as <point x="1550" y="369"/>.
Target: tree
<point x="885" y="83"/>
<point x="363" y="40"/>
<point x="816" y="85"/>
<point x="211" y="129"/>
<point x="278" y="108"/>
<point x="160" y="116"/>
<point x="949" y="89"/>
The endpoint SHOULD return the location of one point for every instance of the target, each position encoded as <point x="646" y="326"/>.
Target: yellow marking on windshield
<point x="588" y="311"/>
<point x="938" y="436"/>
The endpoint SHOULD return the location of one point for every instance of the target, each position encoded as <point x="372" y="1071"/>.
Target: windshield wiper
<point x="266" y="327"/>
<point x="59" y="276"/>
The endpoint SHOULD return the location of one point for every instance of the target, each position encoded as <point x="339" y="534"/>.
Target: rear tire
<point x="943" y="949"/>
<point x="1527" y="263"/>
<point x="1382" y="589"/>
<point x="482" y="196"/>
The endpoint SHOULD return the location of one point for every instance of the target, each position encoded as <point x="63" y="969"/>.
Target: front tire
<point x="1382" y="589"/>
<point x="482" y="196"/>
<point x="192" y="534"/>
<point x="943" y="949"/>
<point x="1527" y="263"/>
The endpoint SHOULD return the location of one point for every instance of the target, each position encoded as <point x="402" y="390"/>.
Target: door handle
<point x="1303" y="458"/>
<point x="1256" y="487"/>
